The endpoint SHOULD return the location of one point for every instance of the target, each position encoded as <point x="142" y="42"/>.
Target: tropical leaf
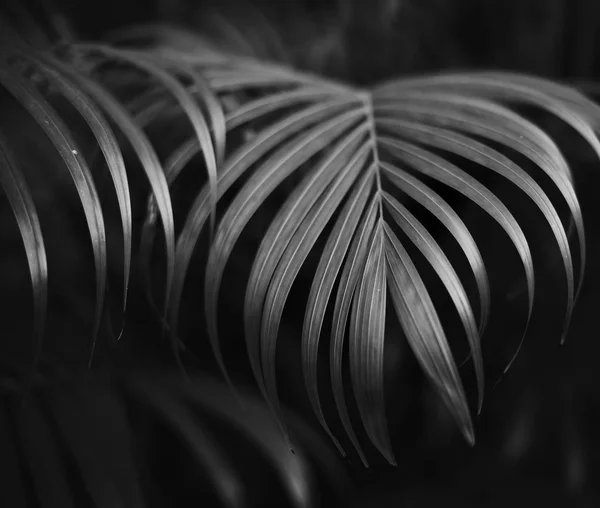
<point x="403" y="124"/>
<point x="349" y="280"/>
<point x="59" y="75"/>
<point x="88" y="97"/>
<point x="14" y="185"/>
<point x="186" y="101"/>
<point x="48" y="119"/>
<point x="363" y="171"/>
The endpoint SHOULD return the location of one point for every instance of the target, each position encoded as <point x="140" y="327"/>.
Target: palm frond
<point x="454" y="120"/>
<point x="348" y="159"/>
<point x="349" y="280"/>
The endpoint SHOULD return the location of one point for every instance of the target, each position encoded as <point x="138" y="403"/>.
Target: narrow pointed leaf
<point x="424" y="332"/>
<point x="61" y="77"/>
<point x="15" y="187"/>
<point x="565" y="102"/>
<point x="186" y="101"/>
<point x="443" y="171"/>
<point x="491" y="159"/>
<point x="189" y="149"/>
<point x="435" y="204"/>
<point x="200" y="89"/>
<point x="235" y="166"/>
<point x="173" y="167"/>
<point x="279" y="235"/>
<point x="349" y="280"/>
<point x="431" y="250"/>
<point x="499" y="124"/>
<point x="366" y="346"/>
<point x="149" y="161"/>
<point x="236" y="80"/>
<point x="296" y="252"/>
<point x="280" y="165"/>
<point x="481" y="118"/>
<point x="503" y="126"/>
<point x="218" y="125"/>
<point x="327" y="272"/>
<point x="255" y="109"/>
<point x="57" y="131"/>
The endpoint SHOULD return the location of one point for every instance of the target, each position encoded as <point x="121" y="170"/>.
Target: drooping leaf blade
<point x="565" y="102"/>
<point x="281" y="231"/>
<point x="326" y="274"/>
<point x="62" y="77"/>
<point x="349" y="280"/>
<point x="445" y="172"/>
<point x="440" y="208"/>
<point x="434" y="254"/>
<point x="150" y="164"/>
<point x="19" y="196"/>
<point x="423" y="330"/>
<point x="280" y="165"/>
<point x="499" y="124"/>
<point x="491" y="159"/>
<point x="148" y="159"/>
<point x="236" y="166"/>
<point x="296" y="252"/>
<point x="59" y="134"/>
<point x="253" y="110"/>
<point x="366" y="345"/>
<point x="481" y="118"/>
<point x="186" y="100"/>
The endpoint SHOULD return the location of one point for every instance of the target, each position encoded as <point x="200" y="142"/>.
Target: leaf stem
<point x="367" y="99"/>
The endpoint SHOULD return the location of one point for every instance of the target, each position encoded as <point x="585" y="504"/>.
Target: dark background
<point x="538" y="433"/>
<point x="369" y="40"/>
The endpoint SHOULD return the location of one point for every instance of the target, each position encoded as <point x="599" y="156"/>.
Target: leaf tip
<point x="469" y="434"/>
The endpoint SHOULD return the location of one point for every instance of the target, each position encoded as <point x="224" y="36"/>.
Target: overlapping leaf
<point x="53" y="126"/>
<point x="187" y="102"/>
<point x="62" y="77"/>
<point x="443" y="119"/>
<point x="14" y="185"/>
<point x="371" y="149"/>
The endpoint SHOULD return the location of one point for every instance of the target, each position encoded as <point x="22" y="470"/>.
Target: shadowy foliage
<point x="301" y="227"/>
